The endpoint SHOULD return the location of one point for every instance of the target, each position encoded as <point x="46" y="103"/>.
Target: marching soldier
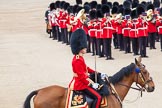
<point x="133" y="32"/>
<point x="107" y="32"/>
<point x="48" y="27"/>
<point x="126" y="29"/>
<point x="142" y="31"/>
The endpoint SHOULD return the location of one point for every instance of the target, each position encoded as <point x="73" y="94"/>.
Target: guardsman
<point x="133" y="32"/>
<point x="92" y="31"/>
<point x="115" y="37"/>
<point x="151" y="25"/>
<point x="99" y="33"/>
<point x="142" y="31"/>
<point x="159" y="24"/>
<point x="81" y="80"/>
<point x="107" y="32"/>
<point x="48" y="27"/>
<point x="126" y="29"/>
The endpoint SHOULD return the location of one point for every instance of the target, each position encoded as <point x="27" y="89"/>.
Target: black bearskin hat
<point x="127" y="11"/>
<point x="78" y="2"/>
<point x="66" y="5"/>
<point x="121" y="10"/>
<point x="98" y="6"/>
<point x="75" y="9"/>
<point x="160" y="12"/>
<point x="93" y="4"/>
<point x="134" y="14"/>
<point x="105" y="9"/>
<point x="127" y="4"/>
<point x="135" y="3"/>
<point x="156" y="3"/>
<point x="69" y="9"/>
<point x="103" y="1"/>
<point x="99" y="14"/>
<point x="79" y="8"/>
<point x="109" y="4"/>
<point x="87" y="8"/>
<point x="86" y="3"/>
<point x="116" y="4"/>
<point x="62" y="4"/>
<point x="57" y="4"/>
<point x="92" y="14"/>
<point x="150" y="6"/>
<point x="140" y="10"/>
<point x="52" y="6"/>
<point x="78" y="41"/>
<point x="114" y="10"/>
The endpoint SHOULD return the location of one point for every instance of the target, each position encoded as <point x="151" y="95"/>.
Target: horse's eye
<point x="145" y="72"/>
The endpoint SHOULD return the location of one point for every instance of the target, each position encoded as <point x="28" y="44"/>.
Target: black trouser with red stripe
<point x="127" y="44"/>
<point x="120" y="40"/>
<point x="142" y="44"/>
<point x="100" y="47"/>
<point x="135" y="45"/>
<point x="94" y="45"/>
<point x="115" y="40"/>
<point x="152" y="37"/>
<point x="107" y="47"/>
<point x="94" y="95"/>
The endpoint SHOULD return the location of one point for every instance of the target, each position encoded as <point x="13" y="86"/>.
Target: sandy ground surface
<point x="29" y="60"/>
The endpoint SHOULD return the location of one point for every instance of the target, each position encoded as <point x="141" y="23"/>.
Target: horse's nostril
<point x="150" y="89"/>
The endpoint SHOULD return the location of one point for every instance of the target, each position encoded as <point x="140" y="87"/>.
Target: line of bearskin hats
<point x="78" y="2"/>
<point x="105" y="8"/>
<point x="134" y="14"/>
<point x="52" y="6"/>
<point x="78" y="41"/>
<point x="140" y="10"/>
<point x="92" y="14"/>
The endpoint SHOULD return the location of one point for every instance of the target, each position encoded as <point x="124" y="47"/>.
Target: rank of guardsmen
<point x="130" y="27"/>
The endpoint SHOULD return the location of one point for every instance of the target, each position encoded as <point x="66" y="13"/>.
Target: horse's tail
<point x="28" y="98"/>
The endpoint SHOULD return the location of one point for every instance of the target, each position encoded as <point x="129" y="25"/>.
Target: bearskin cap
<point x="52" y="6"/>
<point x="114" y="10"/>
<point x="105" y="9"/>
<point x="92" y="14"/>
<point x="144" y="3"/>
<point x="74" y="9"/>
<point x="116" y="4"/>
<point x="78" y="41"/>
<point x="127" y="11"/>
<point x="57" y="4"/>
<point x="69" y="9"/>
<point x="62" y="4"/>
<point x="93" y="4"/>
<point x="160" y="12"/>
<point x="134" y="14"/>
<point x="98" y="6"/>
<point x="121" y="10"/>
<point x="150" y="6"/>
<point x="86" y="3"/>
<point x="156" y="3"/>
<point x="135" y="3"/>
<point x="99" y="14"/>
<point x="87" y="8"/>
<point x="79" y="8"/>
<point x="127" y="4"/>
<point x="66" y="5"/>
<point x="78" y="2"/>
<point x="140" y="10"/>
<point x="109" y="4"/>
<point x="103" y="1"/>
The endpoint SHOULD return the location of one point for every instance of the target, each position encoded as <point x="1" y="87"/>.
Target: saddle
<point x="77" y="99"/>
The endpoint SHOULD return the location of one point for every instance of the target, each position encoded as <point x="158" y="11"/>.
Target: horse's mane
<point x="125" y="71"/>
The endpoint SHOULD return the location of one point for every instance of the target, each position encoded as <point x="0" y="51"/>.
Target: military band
<point x="133" y="26"/>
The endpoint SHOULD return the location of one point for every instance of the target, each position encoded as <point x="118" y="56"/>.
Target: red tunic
<point x="80" y="79"/>
<point x="159" y="24"/>
<point x="126" y="28"/>
<point x="152" y="27"/>
<point x="92" y="30"/>
<point x="142" y="28"/>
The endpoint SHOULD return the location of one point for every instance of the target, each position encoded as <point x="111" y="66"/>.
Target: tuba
<point x="149" y="15"/>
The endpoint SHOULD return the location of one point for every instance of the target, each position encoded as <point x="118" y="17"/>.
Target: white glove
<point x="95" y="85"/>
<point x="103" y="76"/>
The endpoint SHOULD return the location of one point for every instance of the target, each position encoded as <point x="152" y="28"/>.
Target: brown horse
<point x="55" y="96"/>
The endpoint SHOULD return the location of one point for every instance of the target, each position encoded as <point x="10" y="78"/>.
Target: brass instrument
<point x="150" y="16"/>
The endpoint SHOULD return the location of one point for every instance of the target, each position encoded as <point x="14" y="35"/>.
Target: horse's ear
<point x="136" y="61"/>
<point x="139" y="59"/>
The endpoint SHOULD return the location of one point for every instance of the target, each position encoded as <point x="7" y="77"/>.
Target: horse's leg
<point x="50" y="97"/>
